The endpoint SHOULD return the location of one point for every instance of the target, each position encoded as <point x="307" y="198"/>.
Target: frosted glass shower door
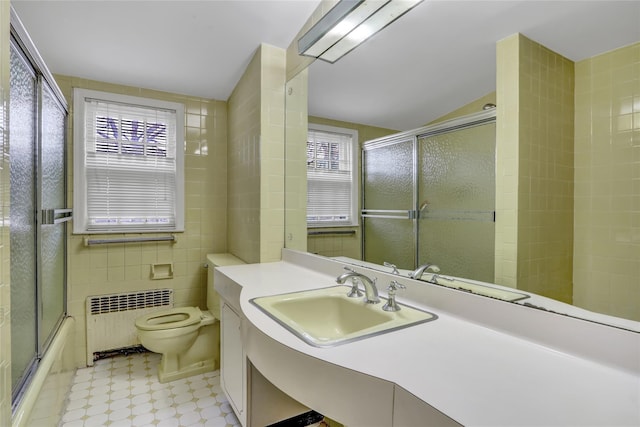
<point x="52" y="232"/>
<point x="456" y="194"/>
<point x="22" y="231"/>
<point x="388" y="203"/>
<point x="37" y="130"/>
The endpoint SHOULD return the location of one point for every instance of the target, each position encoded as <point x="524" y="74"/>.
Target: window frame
<point x="80" y="197"/>
<point x="355" y="145"/>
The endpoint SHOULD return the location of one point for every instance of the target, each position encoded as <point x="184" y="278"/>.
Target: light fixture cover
<point x="348" y="24"/>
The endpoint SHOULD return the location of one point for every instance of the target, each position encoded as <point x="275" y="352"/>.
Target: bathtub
<point x="43" y="401"/>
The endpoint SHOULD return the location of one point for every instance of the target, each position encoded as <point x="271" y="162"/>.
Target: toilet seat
<point x="172" y="318"/>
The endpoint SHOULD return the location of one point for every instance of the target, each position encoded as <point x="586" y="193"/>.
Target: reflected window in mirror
<point x="332" y="189"/>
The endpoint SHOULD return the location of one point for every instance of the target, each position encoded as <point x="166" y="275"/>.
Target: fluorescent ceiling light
<point x="349" y="23"/>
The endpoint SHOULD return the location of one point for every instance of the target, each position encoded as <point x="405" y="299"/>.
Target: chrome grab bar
<point x="331" y="233"/>
<point x="90" y="242"/>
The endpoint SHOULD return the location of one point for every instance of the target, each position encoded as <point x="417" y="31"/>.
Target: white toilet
<point x="187" y="338"/>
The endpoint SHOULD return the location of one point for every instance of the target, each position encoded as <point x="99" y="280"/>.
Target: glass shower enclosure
<point x="38" y="214"/>
<point x="429" y="197"/>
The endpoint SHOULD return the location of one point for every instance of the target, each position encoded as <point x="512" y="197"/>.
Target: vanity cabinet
<point x="233" y="361"/>
<point x="255" y="401"/>
<point x="450" y="372"/>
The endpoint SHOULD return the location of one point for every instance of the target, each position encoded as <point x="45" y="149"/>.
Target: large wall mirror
<point x="439" y="63"/>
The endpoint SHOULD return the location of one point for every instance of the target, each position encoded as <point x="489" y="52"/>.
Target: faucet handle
<point x="391" y="304"/>
<point x="355" y="291"/>
<point x="393" y="267"/>
<point x="394" y="286"/>
<point x="437" y="277"/>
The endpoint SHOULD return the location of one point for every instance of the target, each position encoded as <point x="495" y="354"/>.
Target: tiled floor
<point x="124" y="391"/>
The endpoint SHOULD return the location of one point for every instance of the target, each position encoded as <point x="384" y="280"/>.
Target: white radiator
<point x="110" y="318"/>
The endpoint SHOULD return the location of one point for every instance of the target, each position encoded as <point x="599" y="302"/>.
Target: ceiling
<point x="442" y="55"/>
<point x="436" y="58"/>
<point x="198" y="48"/>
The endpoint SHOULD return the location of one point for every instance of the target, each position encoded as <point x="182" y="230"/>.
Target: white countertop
<point x="535" y="300"/>
<point x="473" y="373"/>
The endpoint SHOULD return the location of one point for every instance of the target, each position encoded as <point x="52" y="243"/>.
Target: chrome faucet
<point x="371" y="292"/>
<point x="417" y="273"/>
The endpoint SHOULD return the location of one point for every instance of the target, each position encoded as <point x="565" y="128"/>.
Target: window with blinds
<point x="331" y="176"/>
<point x="128" y="164"/>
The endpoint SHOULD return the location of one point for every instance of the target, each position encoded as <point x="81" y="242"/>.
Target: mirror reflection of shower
<point x="439" y="210"/>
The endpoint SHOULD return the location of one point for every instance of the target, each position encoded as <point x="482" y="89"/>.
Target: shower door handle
<point x="388" y="213"/>
<point x="56" y="216"/>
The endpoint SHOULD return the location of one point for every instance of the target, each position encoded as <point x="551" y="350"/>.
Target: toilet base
<point x="187" y="371"/>
<point x="202" y="356"/>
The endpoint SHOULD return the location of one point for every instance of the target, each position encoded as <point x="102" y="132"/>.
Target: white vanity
<point x="481" y="362"/>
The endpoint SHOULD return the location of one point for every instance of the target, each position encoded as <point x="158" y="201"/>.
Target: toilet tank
<point x="213" y="261"/>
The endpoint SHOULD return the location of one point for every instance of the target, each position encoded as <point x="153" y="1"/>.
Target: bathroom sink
<point x="326" y="317"/>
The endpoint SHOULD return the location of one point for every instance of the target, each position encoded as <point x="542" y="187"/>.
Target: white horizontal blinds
<point x="130" y="164"/>
<point x="329" y="175"/>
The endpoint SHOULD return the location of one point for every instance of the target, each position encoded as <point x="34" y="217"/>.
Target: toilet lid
<point x="169" y="319"/>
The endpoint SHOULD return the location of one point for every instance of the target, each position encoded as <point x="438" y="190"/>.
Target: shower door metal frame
<point x="460" y="123"/>
<point x="24" y="46"/>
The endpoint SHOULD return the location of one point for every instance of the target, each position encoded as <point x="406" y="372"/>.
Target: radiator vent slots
<point x="110" y="319"/>
<point x="102" y="304"/>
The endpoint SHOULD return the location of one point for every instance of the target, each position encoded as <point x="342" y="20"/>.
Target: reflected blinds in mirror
<point x="330" y="173"/>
